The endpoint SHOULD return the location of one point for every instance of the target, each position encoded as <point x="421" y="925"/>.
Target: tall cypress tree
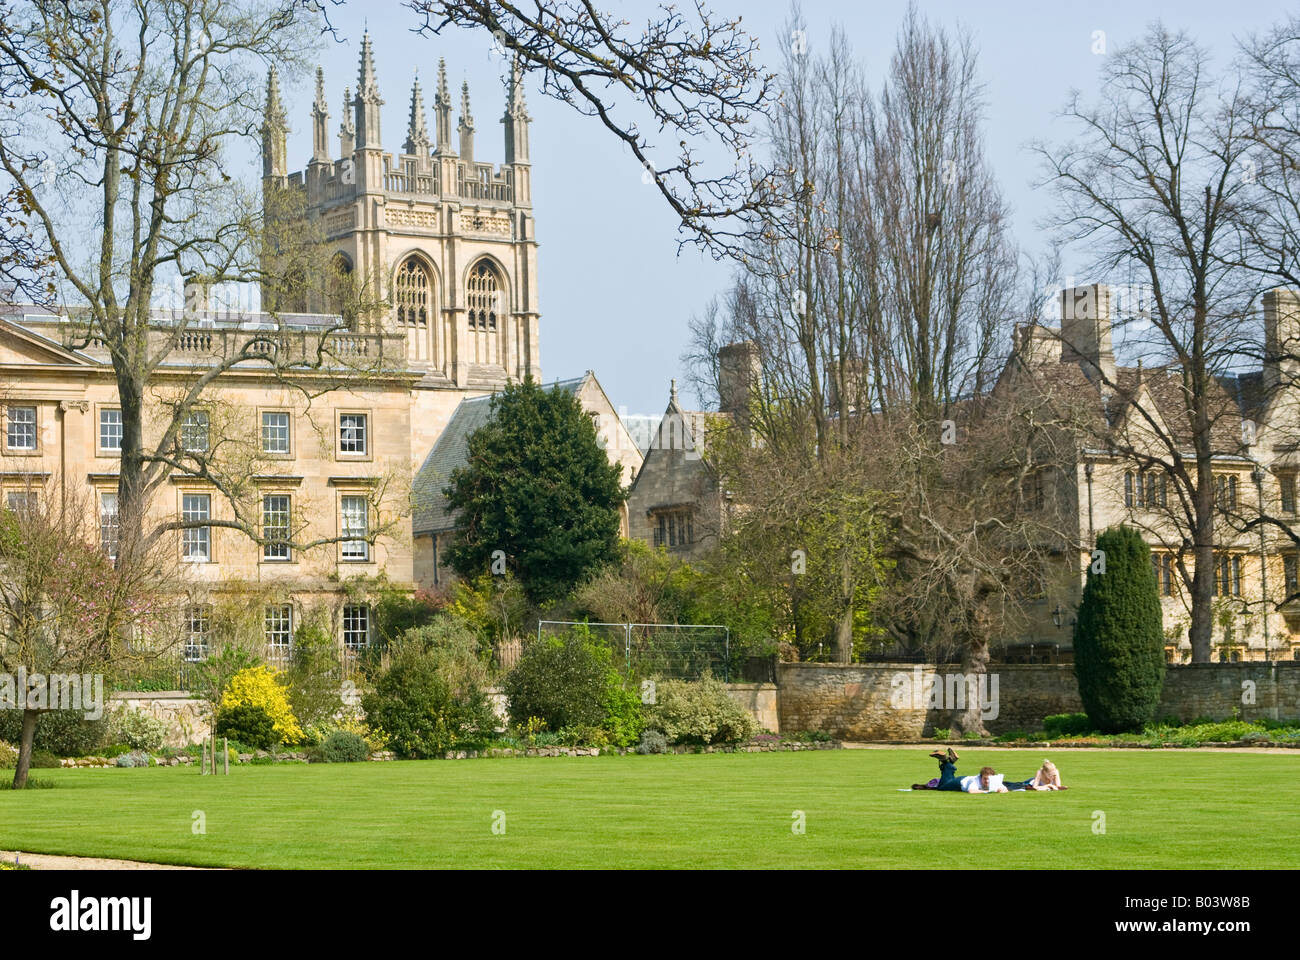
<point x="538" y="487"/>
<point x="1119" y="651"/>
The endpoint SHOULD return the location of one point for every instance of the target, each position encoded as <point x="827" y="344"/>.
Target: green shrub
<point x="1119" y="641"/>
<point x="941" y="733"/>
<point x="699" y="712"/>
<point x="313" y="677"/>
<point x="44" y="760"/>
<point x="66" y="733"/>
<point x="419" y="714"/>
<point x="136" y="758"/>
<point x="652" y="741"/>
<point x="564" y="681"/>
<point x="137" y="729"/>
<point x="343" y="746"/>
<point x="249" y="724"/>
<point x="456" y="650"/>
<point x="1067" y="725"/>
<point x="8" y="756"/>
<point x="624" y="713"/>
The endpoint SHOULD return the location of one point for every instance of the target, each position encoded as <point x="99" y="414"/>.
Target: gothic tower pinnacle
<point x="417" y="130"/>
<point x="320" y="118"/>
<point x="275" y="127"/>
<point x="367" y="100"/>
<point x="466" y="126"/>
<point x="347" y="129"/>
<point x="442" y="109"/>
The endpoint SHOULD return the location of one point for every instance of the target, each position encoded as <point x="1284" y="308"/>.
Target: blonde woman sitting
<point x="1047" y="778"/>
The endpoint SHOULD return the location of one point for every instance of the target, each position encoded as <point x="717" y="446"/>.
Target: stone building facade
<point x="1256" y="439"/>
<point x="442" y="247"/>
<point x="446" y="240"/>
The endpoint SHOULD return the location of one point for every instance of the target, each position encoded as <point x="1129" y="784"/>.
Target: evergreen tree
<point x="538" y="487"/>
<point x="1119" y="655"/>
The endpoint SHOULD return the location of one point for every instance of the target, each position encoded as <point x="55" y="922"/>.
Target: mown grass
<point x="1162" y="809"/>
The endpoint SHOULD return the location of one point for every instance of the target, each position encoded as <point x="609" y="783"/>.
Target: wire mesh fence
<point x="680" y="651"/>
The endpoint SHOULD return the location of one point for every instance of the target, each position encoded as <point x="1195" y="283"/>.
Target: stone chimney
<point x="1281" y="336"/>
<point x="739" y="369"/>
<point x="1086" y="329"/>
<point x="1037" y="345"/>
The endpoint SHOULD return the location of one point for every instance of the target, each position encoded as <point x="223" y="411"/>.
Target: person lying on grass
<point x="987" y="780"/>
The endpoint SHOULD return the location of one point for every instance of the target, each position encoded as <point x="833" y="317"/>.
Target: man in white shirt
<point x="986" y="781"/>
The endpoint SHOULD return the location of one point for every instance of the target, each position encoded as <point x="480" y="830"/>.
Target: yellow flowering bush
<point x="261" y="687"/>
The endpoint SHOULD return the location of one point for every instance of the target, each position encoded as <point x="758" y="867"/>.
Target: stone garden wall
<point x="186" y="718"/>
<point x="760" y="699"/>
<point x="893" y="701"/>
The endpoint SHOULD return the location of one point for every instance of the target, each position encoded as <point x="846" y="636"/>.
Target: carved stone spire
<point x="516" y="118"/>
<point x="466" y="125"/>
<point x="275" y="127"/>
<point x="417" y="130"/>
<point x="367" y="100"/>
<point x="320" y="117"/>
<point x="347" y="129"/>
<point x="442" y="112"/>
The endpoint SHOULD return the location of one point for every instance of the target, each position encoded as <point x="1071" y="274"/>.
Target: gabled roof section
<point x="21" y="345"/>
<point x="679" y="431"/>
<point x="431" y="513"/>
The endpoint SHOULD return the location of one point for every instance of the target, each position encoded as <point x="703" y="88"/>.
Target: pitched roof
<point x="1232" y="399"/>
<point x="431" y="512"/>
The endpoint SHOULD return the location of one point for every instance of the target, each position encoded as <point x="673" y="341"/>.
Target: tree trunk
<point x="844" y="626"/>
<point x="25" y="748"/>
<point x="844" y="636"/>
<point x="974" y="667"/>
<point x="1201" y="633"/>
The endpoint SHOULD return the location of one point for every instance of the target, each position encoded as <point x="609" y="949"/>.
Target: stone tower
<point x="445" y="240"/>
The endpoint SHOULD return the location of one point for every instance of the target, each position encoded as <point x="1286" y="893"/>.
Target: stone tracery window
<point x="411" y="294"/>
<point x="484" y="296"/>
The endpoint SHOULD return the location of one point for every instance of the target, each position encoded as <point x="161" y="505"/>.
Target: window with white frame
<point x="110" y="429"/>
<point x="275" y="526"/>
<point x="194" y="431"/>
<point x="356" y="626"/>
<point x="275" y="432"/>
<point x="352" y="433"/>
<point x="278" y="631"/>
<point x="199" y="629"/>
<point x="196" y="541"/>
<point x="355" y="512"/>
<point x="20" y="501"/>
<point x="110" y="527"/>
<point x="20" y="428"/>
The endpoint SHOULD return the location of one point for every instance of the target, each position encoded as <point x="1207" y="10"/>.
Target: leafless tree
<point x="1154" y="184"/>
<point x="690" y="73"/>
<point x="135" y="108"/>
<point x="883" y="284"/>
<point x="66" y="608"/>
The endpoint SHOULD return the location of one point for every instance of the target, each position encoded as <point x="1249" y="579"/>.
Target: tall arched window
<point x="484" y="296"/>
<point x="411" y="294"/>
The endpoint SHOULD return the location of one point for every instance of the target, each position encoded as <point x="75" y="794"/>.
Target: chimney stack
<point x="1086" y="330"/>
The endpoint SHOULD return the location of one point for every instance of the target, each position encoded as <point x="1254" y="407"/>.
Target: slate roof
<point x="431" y="512"/>
<point x="1232" y="398"/>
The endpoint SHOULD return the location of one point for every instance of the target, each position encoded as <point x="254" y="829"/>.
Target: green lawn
<point x="1171" y="808"/>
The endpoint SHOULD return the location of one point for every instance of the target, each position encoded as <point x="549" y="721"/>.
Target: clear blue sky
<point x="615" y="295"/>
